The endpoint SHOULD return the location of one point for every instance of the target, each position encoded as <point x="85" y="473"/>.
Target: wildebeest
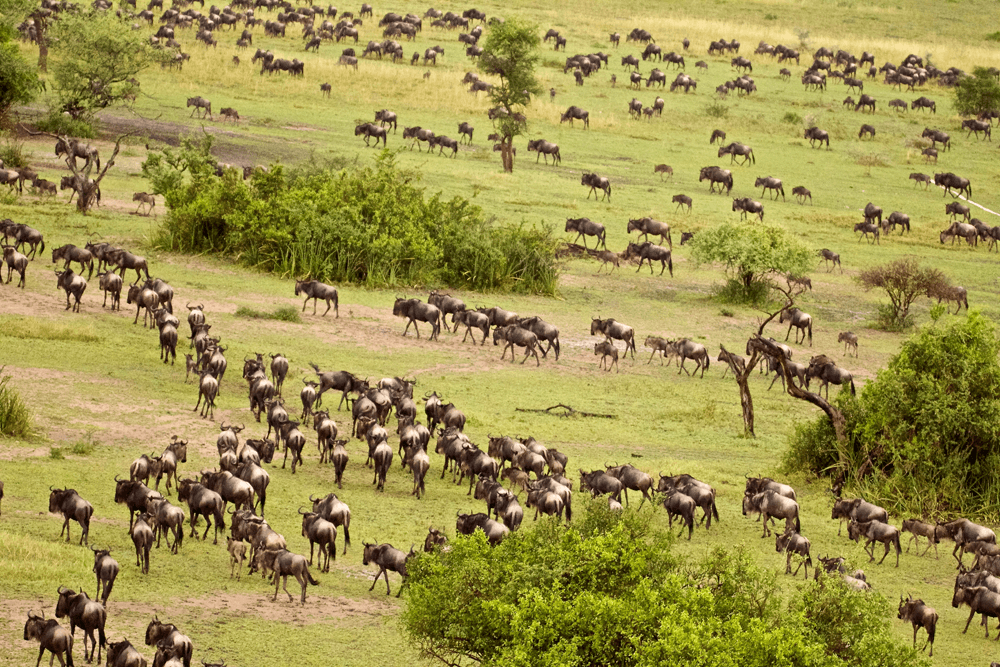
<point x="513" y="335"/>
<point x="977" y="126"/>
<point x="336" y="512"/>
<point x="74" y="149"/>
<point x="203" y="501"/>
<point x="686" y="349"/>
<point x="747" y="206"/>
<point x="649" y="226"/>
<point x="896" y="218"/>
<point x="384" y="117"/>
<point x="494" y="531"/>
<point x="917" y="529"/>
<point x="814" y="135"/>
<point x="867" y="228"/>
<point x="369" y="130"/>
<point x="51" y="636"/>
<point x="86" y="614"/>
<point x="850" y="340"/>
<point x="737" y="149"/>
<point x="608" y="351"/>
<point x="586" y="227"/>
<point x="123" y="654"/>
<point x="964" y="532"/>
<point x="830" y="256"/>
<point x="72" y="284"/>
<point x="284" y="563"/>
<point x="386" y="557"/>
<point x="981" y="600"/>
<point x="951" y="181"/>
<point x="866" y="129"/>
<point x="650" y="252"/>
<point x="875" y="531"/>
<point x="71" y="253"/>
<point x="966" y="231"/>
<point x="857" y="510"/>
<point x="680" y="505"/>
<point x="792" y="543"/>
<point x="717" y="134"/>
<point x="613" y="329"/>
<point x="201" y="105"/>
<point x="576" y="113"/>
<point x="599" y="483"/>
<point x="167" y="635"/>
<point x="921" y="616"/>
<point x="69" y="503"/>
<point x="15" y="262"/>
<point x="770" y="504"/>
<point x="633" y="478"/>
<point x="681" y="201"/>
<point x="822" y="367"/>
<point x="413" y="310"/>
<point x="544" y="331"/>
<point x="723" y="177"/>
<point x="472" y="319"/>
<point x="770" y="183"/>
<point x="106" y="569"/>
<point x="798" y="319"/>
<point x="545" y="148"/>
<point x="597" y="183"/>
<point x="662" y="169"/>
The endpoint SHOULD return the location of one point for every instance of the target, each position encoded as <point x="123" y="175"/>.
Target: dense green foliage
<point x="371" y="225"/>
<point x="98" y="57"/>
<point x="15" y="420"/>
<point x="977" y="93"/>
<point x="18" y="78"/>
<point x="607" y="591"/>
<point x="903" y="281"/>
<point x="510" y="53"/>
<point x="924" y="436"/>
<point x="753" y="254"/>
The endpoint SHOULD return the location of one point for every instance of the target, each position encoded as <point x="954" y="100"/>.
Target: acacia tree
<point x="903" y="280"/>
<point x="753" y="254"/>
<point x="510" y="53"/>
<point x="978" y="93"/>
<point x="99" y="58"/>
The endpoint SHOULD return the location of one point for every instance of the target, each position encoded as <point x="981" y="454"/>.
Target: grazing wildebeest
<point x="798" y="319"/>
<point x="867" y="228"/>
<point x="650" y="252"/>
<point x="649" y="226"/>
<point x="966" y="231"/>
<point x="866" y="129"/>
<point x="737" y="149"/>
<point x="772" y="505"/>
<point x="315" y="290"/>
<point x="586" y="227"/>
<point x="545" y="148"/>
<point x="958" y="294"/>
<point x="814" y="135"/>
<point x="575" y="113"/>
<point x="921" y="616"/>
<point x="201" y="105"/>
<point x="830" y="256"/>
<point x="69" y="503"/>
<point x="607" y="350"/>
<point x="850" y="340"/>
<point x="413" y="310"/>
<point x="956" y="209"/>
<point x="723" y="177"/>
<point x="717" y="134"/>
<point x="614" y="330"/>
<point x="513" y="335"/>
<point x="86" y="614"/>
<point x="596" y="182"/>
<point x="681" y="201"/>
<point x="52" y="637"/>
<point x="663" y="169"/>
<point x="792" y="543"/>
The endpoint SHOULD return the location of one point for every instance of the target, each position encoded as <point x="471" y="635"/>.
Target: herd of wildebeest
<point x="531" y="471"/>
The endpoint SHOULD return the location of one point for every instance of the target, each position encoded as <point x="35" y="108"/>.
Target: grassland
<point x="100" y="396"/>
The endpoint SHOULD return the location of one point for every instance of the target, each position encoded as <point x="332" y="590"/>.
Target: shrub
<point x="12" y="153"/>
<point x="978" y="93"/>
<point x="283" y="314"/>
<point x="903" y="280"/>
<point x="15" y="420"/>
<point x="717" y="110"/>
<point x="370" y="225"/>
<point x="791" y="117"/>
<point x="605" y="590"/>
<point x="57" y="122"/>
<point x="924" y="436"/>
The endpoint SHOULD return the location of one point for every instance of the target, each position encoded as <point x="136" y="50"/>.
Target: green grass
<point x="282" y="314"/>
<point x="15" y="419"/>
<point x="97" y="378"/>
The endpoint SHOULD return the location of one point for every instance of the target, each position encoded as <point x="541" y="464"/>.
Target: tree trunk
<point x="742" y="376"/>
<point x="43" y="45"/>
<point x="507" y="154"/>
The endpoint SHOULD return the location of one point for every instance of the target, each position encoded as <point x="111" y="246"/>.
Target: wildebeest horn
<point x="301" y="512"/>
<point x="222" y="427"/>
<point x="311" y="499"/>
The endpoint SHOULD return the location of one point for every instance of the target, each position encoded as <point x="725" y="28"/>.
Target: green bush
<point x="791" y="117"/>
<point x="370" y="225"/>
<point x="57" y="122"/>
<point x="924" y="436"/>
<point x="12" y="153"/>
<point x="15" y="420"/>
<point x="283" y="314"/>
<point x="606" y="590"/>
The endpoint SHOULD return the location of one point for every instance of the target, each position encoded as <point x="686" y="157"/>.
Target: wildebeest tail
<point x="310" y="578"/>
<point x="188" y="649"/>
<point x="670" y="266"/>
<point x="100" y="636"/>
<point x="853" y="392"/>
<point x="555" y="344"/>
<point x="715" y="511"/>
<point x="220" y="518"/>
<point x="69" y="652"/>
<point x="798" y="525"/>
<point x="43" y="240"/>
<point x="569" y="512"/>
<point x="810" y="332"/>
<point x="347" y="533"/>
<point x="107" y="591"/>
<point x="708" y="358"/>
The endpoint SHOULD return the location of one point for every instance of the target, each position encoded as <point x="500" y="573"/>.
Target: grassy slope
<point x="95" y="377"/>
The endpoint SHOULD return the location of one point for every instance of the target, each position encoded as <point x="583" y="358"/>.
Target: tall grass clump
<point x="15" y="420"/>
<point x="371" y="225"/>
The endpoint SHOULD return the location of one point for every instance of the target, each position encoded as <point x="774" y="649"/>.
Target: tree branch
<point x="569" y="412"/>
